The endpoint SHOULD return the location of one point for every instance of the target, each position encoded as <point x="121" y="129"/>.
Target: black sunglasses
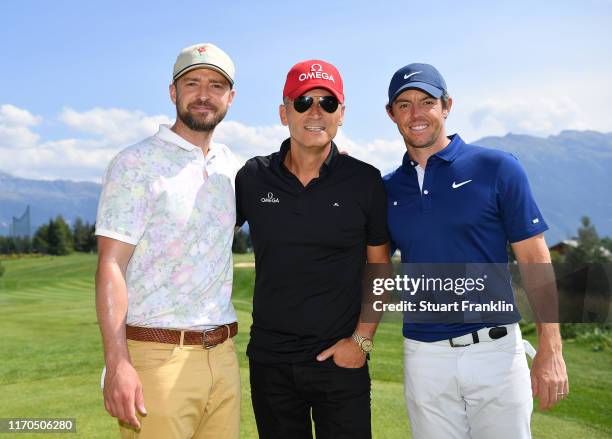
<point x="327" y="103"/>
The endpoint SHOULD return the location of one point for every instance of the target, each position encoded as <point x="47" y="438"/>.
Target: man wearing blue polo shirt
<point x="451" y="202"/>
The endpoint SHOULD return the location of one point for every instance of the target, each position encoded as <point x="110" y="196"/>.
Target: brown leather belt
<point x="208" y="339"/>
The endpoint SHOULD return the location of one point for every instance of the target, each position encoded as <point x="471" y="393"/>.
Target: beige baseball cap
<point x="204" y="56"/>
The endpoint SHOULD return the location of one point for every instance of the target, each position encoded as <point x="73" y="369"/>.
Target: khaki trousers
<point x="189" y="391"/>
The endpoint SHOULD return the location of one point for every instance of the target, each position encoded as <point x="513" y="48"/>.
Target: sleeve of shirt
<point x="240" y="215"/>
<point x="520" y="214"/>
<point x="376" y="227"/>
<point x="124" y="206"/>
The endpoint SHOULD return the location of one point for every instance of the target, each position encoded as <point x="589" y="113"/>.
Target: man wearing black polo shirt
<point x="315" y="217"/>
<point x="454" y="203"/>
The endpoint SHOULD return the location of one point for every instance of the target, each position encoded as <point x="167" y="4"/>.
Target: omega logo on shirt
<point x="270" y="198"/>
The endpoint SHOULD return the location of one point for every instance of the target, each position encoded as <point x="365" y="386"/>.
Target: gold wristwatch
<point x="365" y="344"/>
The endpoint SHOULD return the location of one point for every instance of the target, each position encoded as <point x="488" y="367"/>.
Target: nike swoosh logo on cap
<point x="456" y="185"/>
<point x="412" y="74"/>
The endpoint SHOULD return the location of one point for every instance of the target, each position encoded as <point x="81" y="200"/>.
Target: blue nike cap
<point x="424" y="77"/>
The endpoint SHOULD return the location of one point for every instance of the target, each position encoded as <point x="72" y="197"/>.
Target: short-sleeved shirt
<point x="472" y="202"/>
<point x="310" y="251"/>
<point x="177" y="207"/>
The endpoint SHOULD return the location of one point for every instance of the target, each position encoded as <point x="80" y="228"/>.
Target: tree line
<point x="57" y="238"/>
<point x="53" y="238"/>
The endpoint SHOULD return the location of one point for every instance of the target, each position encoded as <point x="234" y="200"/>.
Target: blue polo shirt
<point x="474" y="201"/>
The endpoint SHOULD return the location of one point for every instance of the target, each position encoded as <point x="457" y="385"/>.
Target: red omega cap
<point x="310" y="74"/>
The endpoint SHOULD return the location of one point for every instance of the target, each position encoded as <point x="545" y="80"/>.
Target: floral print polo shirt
<point x="177" y="207"/>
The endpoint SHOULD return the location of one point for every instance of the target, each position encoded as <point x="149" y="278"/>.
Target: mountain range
<point x="570" y="174"/>
<point x="46" y="199"/>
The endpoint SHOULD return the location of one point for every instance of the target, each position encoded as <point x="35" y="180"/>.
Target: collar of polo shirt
<point x="448" y="154"/>
<point x="166" y="134"/>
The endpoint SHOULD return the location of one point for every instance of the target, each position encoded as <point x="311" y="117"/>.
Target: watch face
<point x="367" y="345"/>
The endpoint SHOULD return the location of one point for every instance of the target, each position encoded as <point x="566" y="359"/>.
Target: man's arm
<point x="122" y="387"/>
<point x="549" y="379"/>
<point x="346" y="352"/>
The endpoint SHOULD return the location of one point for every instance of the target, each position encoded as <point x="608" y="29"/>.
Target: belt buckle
<point x="474" y="341"/>
<point x="204" y="333"/>
<point x="450" y="340"/>
<point x="211" y="330"/>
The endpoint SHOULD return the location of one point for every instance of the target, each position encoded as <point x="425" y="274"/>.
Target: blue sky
<point x="81" y="80"/>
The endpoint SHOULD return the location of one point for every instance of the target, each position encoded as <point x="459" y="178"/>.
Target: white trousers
<point x="481" y="391"/>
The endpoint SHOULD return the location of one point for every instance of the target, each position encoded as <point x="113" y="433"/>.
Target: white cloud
<point x="535" y="116"/>
<point x="15" y="126"/>
<point x="544" y="105"/>
<point x="249" y="141"/>
<point x="23" y="153"/>
<point x="110" y="130"/>
<point x="11" y="115"/>
<point x="68" y="159"/>
<point x="386" y="155"/>
<point x="115" y="125"/>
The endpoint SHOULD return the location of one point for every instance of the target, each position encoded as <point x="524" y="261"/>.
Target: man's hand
<point x="548" y="374"/>
<point x="123" y="394"/>
<point x="345" y="353"/>
<point x="549" y="378"/>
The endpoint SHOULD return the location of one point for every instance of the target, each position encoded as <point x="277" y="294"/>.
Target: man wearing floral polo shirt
<point x="165" y="227"/>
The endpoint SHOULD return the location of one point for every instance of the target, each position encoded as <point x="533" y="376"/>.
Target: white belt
<point x="479" y="336"/>
<point x="483" y="335"/>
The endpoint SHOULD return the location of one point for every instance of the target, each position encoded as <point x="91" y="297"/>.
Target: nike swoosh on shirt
<point x="456" y="185"/>
<point x="412" y="74"/>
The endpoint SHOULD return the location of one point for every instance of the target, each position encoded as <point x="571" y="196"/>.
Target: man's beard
<point x="203" y="125"/>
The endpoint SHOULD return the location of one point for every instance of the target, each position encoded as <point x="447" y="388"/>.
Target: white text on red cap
<point x="316" y="72"/>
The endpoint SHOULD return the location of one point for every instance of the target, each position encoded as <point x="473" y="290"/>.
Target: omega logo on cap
<point x="316" y="68"/>
<point x="316" y="72"/>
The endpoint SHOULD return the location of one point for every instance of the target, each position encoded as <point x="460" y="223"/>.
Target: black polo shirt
<point x="310" y="251"/>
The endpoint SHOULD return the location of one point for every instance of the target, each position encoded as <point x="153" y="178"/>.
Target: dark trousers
<point x="285" y="396"/>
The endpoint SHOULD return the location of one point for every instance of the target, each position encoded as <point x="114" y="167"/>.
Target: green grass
<point x="51" y="358"/>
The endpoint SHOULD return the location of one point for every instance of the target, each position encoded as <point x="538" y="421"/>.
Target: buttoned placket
<point x="426" y="193"/>
<point x="424" y="183"/>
